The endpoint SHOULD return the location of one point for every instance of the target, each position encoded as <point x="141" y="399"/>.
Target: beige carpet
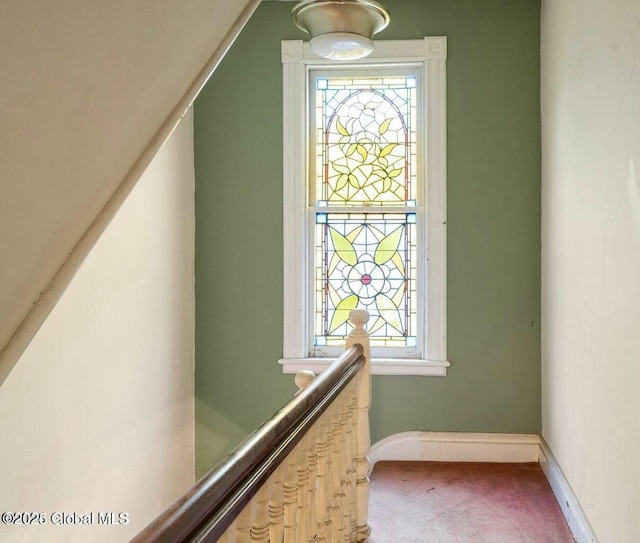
<point x="456" y="502"/>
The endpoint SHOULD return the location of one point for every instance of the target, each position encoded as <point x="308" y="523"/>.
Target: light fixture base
<point x="341" y="29"/>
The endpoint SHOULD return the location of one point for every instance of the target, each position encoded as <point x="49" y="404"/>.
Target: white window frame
<point x="298" y="60"/>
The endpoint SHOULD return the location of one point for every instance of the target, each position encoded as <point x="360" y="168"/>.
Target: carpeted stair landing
<point x="460" y="502"/>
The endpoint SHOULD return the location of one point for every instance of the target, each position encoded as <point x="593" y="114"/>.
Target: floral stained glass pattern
<point x="366" y="260"/>
<point x="364" y="186"/>
<point x="365" y="141"/>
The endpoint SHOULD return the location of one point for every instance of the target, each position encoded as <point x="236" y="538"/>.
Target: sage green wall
<point x="493" y="215"/>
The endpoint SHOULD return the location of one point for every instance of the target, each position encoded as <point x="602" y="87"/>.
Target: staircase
<point x="96" y="272"/>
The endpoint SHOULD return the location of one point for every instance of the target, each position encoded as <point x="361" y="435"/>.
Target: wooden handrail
<point x="204" y="512"/>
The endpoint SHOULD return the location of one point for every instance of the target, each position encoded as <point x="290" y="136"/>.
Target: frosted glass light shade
<point x="341" y="46"/>
<point x="340" y="29"/>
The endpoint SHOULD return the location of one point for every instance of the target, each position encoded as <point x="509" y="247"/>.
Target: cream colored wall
<point x="591" y="255"/>
<point x="84" y="86"/>
<point x="98" y="414"/>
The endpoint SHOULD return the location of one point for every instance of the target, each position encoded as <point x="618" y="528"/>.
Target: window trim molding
<point x="297" y="60"/>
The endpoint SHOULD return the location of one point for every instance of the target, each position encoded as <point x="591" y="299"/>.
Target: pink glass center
<point x="365" y="279"/>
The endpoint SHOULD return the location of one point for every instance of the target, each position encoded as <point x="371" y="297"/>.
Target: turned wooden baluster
<point x="322" y="518"/>
<point x="260" y="527"/>
<point x="302" y="465"/>
<point x="313" y="478"/>
<point x="290" y="488"/>
<point x="340" y="470"/>
<point x="358" y="318"/>
<point x="347" y="503"/>
<point x="341" y="467"/>
<point x="242" y="525"/>
<point x="333" y="477"/>
<point x="276" y="506"/>
<point x="352" y="472"/>
<point x="307" y="472"/>
<point x="351" y="476"/>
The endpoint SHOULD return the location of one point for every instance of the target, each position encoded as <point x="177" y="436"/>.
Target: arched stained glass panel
<point x="365" y="141"/>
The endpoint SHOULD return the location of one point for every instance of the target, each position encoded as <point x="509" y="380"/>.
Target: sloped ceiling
<point x="85" y="89"/>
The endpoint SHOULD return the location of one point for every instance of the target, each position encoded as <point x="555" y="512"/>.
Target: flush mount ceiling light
<point x="340" y="29"/>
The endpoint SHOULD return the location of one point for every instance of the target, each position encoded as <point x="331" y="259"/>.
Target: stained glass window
<point x="364" y="183"/>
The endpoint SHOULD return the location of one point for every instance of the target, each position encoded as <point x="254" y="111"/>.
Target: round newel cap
<point x="359" y="317"/>
<point x="304" y="378"/>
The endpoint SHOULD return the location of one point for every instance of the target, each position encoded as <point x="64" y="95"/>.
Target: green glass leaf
<point x="388" y="246"/>
<point x="395" y="173"/>
<point x="389" y="312"/>
<point x="342" y="181"/>
<point x="353" y="180"/>
<point x="343" y="247"/>
<point x="398" y="263"/>
<point x="351" y="149"/>
<point x="387" y="149"/>
<point x="341" y="128"/>
<point x="377" y="174"/>
<point x="341" y="314"/>
<point x="385" y="126"/>
<point x="386" y="184"/>
<point x="339" y="168"/>
<point x="362" y="152"/>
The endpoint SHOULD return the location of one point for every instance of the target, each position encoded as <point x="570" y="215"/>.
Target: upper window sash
<point x="396" y="121"/>
<point x="298" y="60"/>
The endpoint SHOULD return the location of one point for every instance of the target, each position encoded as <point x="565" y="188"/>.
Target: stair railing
<point x="300" y="477"/>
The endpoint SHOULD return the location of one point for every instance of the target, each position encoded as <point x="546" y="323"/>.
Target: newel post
<point x="358" y="318"/>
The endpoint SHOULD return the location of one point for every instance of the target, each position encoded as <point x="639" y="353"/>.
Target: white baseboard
<point x="456" y="447"/>
<point x="573" y="513"/>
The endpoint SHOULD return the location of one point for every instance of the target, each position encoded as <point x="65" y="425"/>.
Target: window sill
<point x="379" y="366"/>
